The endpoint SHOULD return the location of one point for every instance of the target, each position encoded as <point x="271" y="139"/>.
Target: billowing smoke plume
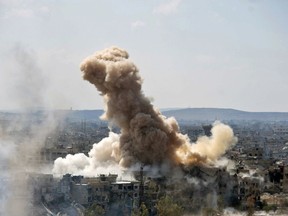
<point x="102" y="158"/>
<point x="21" y="136"/>
<point x="146" y="137"/>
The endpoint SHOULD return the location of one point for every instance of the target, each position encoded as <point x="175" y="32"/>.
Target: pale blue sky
<point x="208" y="53"/>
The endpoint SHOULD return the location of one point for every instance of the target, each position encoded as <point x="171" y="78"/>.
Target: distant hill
<point x="88" y="115"/>
<point x="186" y="115"/>
<point x="211" y="114"/>
<point x="198" y="114"/>
<point x="72" y="115"/>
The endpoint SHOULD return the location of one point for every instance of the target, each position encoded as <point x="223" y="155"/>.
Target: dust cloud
<point x="146" y="136"/>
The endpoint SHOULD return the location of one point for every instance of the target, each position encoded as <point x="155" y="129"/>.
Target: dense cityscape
<point x="143" y="108"/>
<point x="137" y="160"/>
<point x="252" y="177"/>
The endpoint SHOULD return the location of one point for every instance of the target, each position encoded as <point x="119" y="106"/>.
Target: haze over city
<point x="227" y="54"/>
<point x="88" y="78"/>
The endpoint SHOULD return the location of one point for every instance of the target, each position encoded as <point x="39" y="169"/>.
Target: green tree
<point x="166" y="207"/>
<point x="94" y="210"/>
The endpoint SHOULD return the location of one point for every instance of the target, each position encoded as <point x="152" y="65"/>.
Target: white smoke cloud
<point x="103" y="158"/>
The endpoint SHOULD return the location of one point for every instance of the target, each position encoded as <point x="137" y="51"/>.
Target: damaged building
<point x="102" y="190"/>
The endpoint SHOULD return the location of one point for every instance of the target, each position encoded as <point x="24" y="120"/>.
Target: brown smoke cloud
<point x="208" y="149"/>
<point x="146" y="137"/>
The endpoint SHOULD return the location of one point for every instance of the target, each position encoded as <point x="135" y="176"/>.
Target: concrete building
<point x="101" y="188"/>
<point x="285" y="179"/>
<point x="81" y="193"/>
<point x="126" y="192"/>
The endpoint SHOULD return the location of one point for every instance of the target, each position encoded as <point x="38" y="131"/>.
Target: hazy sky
<point x="190" y="53"/>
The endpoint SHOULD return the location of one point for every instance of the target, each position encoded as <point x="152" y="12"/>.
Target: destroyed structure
<point x="199" y="188"/>
<point x="164" y="161"/>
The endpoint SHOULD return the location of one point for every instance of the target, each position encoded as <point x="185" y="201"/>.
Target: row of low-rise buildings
<point x="255" y="151"/>
<point x="103" y="190"/>
<point x="199" y="187"/>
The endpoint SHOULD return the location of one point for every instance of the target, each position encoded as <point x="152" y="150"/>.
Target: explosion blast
<point x="146" y="137"/>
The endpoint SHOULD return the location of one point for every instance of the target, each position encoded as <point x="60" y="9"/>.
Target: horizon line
<point x="36" y="109"/>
